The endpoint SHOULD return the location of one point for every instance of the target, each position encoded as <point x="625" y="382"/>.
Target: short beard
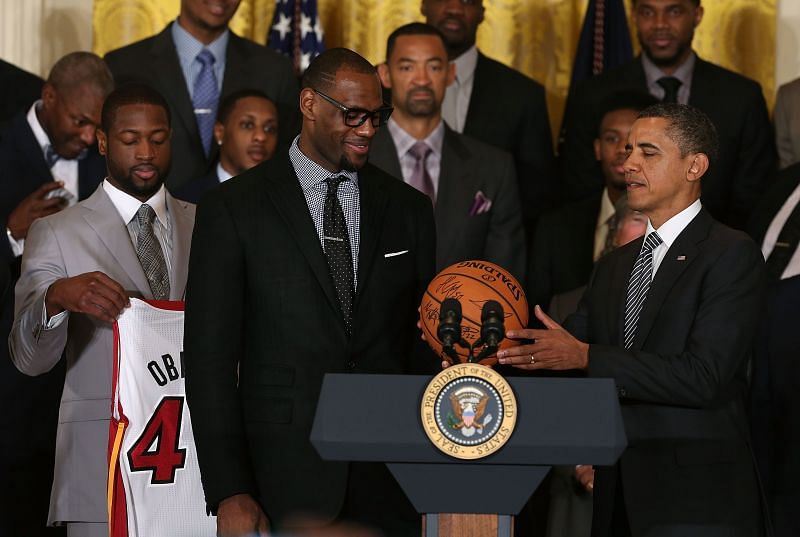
<point x="422" y="108"/>
<point x="671" y="61"/>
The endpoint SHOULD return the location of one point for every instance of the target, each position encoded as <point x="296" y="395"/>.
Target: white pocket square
<point x="394" y="254"/>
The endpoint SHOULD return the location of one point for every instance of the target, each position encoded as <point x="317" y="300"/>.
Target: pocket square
<point x="395" y="254"/>
<point x="481" y="204"/>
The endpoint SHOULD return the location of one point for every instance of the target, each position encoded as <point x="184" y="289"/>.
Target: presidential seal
<point x="468" y="411"/>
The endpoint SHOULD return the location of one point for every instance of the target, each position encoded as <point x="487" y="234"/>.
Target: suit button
<point x="351" y="364"/>
<point x="622" y="392"/>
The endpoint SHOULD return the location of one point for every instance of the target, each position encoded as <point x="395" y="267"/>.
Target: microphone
<point x="449" y="331"/>
<point x="492" y="329"/>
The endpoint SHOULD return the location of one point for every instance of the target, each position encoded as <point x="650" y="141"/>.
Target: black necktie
<point x="337" y="250"/>
<point x="670" y="85"/>
<point x="785" y="246"/>
<point x="638" y="286"/>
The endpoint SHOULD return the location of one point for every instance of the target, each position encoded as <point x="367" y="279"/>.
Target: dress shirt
<point x="65" y="170"/>
<point x="188" y="47"/>
<point x="222" y="173"/>
<point x="683" y="73"/>
<point x="404" y="141"/>
<point x="312" y="180"/>
<point x="127" y="207"/>
<point x="670" y="230"/>
<point x="604" y="219"/>
<point x="456" y="98"/>
<point x="774" y="230"/>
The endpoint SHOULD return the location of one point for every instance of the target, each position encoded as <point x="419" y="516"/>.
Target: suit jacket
<point x="688" y="469"/>
<point x="194" y="190"/>
<point x="469" y="167"/>
<point x="562" y="250"/>
<point x="261" y="302"/>
<point x="18" y="90"/>
<point x="775" y="403"/>
<point x="154" y="61"/>
<point x="785" y="182"/>
<point x="787" y="123"/>
<point x="735" y="105"/>
<point x="509" y="110"/>
<point x="86" y="237"/>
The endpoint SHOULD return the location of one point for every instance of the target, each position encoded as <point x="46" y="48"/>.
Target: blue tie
<point x="50" y="156"/>
<point x="206" y="98"/>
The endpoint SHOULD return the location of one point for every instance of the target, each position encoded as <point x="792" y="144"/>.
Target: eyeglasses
<point x="355" y="117"/>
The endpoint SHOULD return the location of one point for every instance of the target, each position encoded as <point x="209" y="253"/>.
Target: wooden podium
<point x="560" y="422"/>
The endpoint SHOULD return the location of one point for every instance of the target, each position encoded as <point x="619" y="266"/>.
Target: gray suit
<point x="468" y="167"/>
<point x="787" y="123"/>
<point x="89" y="236"/>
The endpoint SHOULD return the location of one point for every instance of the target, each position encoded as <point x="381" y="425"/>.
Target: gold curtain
<point x="537" y="37"/>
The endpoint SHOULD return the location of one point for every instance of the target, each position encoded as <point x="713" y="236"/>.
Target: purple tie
<point x="420" y="179"/>
<point x="206" y="98"/>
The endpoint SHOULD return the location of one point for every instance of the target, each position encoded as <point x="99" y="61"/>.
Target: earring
<point x="219" y="142"/>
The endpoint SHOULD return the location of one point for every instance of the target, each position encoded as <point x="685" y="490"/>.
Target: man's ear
<point x="307" y="99"/>
<point x="48" y="95"/>
<point x="597" y="149"/>
<point x="219" y="132"/>
<point x="423" y="8"/>
<point x="383" y="73"/>
<point x="698" y="167"/>
<point x="102" y="142"/>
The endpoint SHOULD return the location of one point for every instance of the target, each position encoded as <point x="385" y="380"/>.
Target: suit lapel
<point x="618" y="292"/>
<point x="31" y="151"/>
<point x="481" y="91"/>
<point x="182" y="225"/>
<point x="283" y="188"/>
<point x="680" y="255"/>
<point x="373" y="201"/>
<point x="457" y="188"/>
<point x="704" y="93"/>
<point x="383" y="153"/>
<point x="103" y="218"/>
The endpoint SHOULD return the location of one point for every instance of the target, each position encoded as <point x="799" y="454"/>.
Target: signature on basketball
<point x="431" y="312"/>
<point x="450" y="288"/>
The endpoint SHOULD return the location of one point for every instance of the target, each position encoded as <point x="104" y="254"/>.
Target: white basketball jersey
<point x="154" y="486"/>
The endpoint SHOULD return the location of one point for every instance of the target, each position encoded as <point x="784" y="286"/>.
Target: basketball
<point x="473" y="284"/>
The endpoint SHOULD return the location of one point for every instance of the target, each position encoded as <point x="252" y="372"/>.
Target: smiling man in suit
<point x="496" y="104"/>
<point x="313" y="262"/>
<point x="671" y="318"/>
<point x="196" y="61"/>
<point x="471" y="184"/>
<point x="671" y="71"/>
<point x="129" y="237"/>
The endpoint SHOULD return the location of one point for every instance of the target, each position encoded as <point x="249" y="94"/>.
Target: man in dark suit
<point x="196" y="61"/>
<point x="48" y="160"/>
<point x="495" y="104"/>
<point x="775" y="411"/>
<point x="670" y="318"/>
<point x="672" y="72"/>
<point x="313" y="262"/>
<point x="246" y="132"/>
<point x="18" y="90"/>
<point x="570" y="238"/>
<point x="472" y="184"/>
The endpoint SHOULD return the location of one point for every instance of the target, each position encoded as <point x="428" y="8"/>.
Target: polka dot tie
<point x="337" y="250"/>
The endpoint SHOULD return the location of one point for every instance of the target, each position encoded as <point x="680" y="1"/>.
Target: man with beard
<point x="80" y="265"/>
<point x="195" y="62"/>
<point x="671" y="71"/>
<point x="313" y="262"/>
<point x="471" y="184"/>
<point x="496" y="104"/>
<point x="569" y="239"/>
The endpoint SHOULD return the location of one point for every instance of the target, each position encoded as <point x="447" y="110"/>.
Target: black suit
<point x="28" y="422"/>
<point x="785" y="182"/>
<point x="562" y="250"/>
<point x="18" y="90"/>
<point x="688" y="469"/>
<point x="468" y="167"/>
<point x="260" y="296"/>
<point x="735" y="105"/>
<point x="509" y="110"/>
<point x="194" y="190"/>
<point x="154" y="61"/>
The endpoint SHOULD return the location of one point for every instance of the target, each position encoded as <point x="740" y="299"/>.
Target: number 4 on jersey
<point x="157" y="450"/>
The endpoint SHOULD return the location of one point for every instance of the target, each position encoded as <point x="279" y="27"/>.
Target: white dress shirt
<point x="670" y="230"/>
<point x="456" y="98"/>
<point x="774" y="230"/>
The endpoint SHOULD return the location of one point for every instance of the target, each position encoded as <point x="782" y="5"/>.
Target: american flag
<point x="296" y="31"/>
<point x="605" y="41"/>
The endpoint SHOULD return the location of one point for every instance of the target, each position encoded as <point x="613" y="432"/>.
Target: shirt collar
<point x="188" y="47"/>
<point x="309" y="172"/>
<point x="127" y="205"/>
<point x="222" y="173"/>
<point x="465" y="64"/>
<point x="683" y="73"/>
<point x="606" y="208"/>
<point x="403" y="140"/>
<point x="38" y="131"/>
<point x="673" y="227"/>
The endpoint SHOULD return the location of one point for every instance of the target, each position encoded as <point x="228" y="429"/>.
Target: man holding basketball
<point x="670" y="318"/>
<point x="311" y="263"/>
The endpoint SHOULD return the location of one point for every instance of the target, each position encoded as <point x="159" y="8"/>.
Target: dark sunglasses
<point x="355" y="117"/>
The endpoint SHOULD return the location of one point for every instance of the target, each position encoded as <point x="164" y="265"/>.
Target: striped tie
<point x="638" y="286"/>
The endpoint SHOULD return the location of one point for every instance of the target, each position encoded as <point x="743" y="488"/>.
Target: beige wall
<point x="35" y="33"/>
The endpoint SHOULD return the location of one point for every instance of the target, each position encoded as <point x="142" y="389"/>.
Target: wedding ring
<point x="533" y="359"/>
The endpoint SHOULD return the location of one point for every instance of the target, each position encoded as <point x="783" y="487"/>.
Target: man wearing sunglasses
<point x="311" y="263"/>
<point x="472" y="185"/>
